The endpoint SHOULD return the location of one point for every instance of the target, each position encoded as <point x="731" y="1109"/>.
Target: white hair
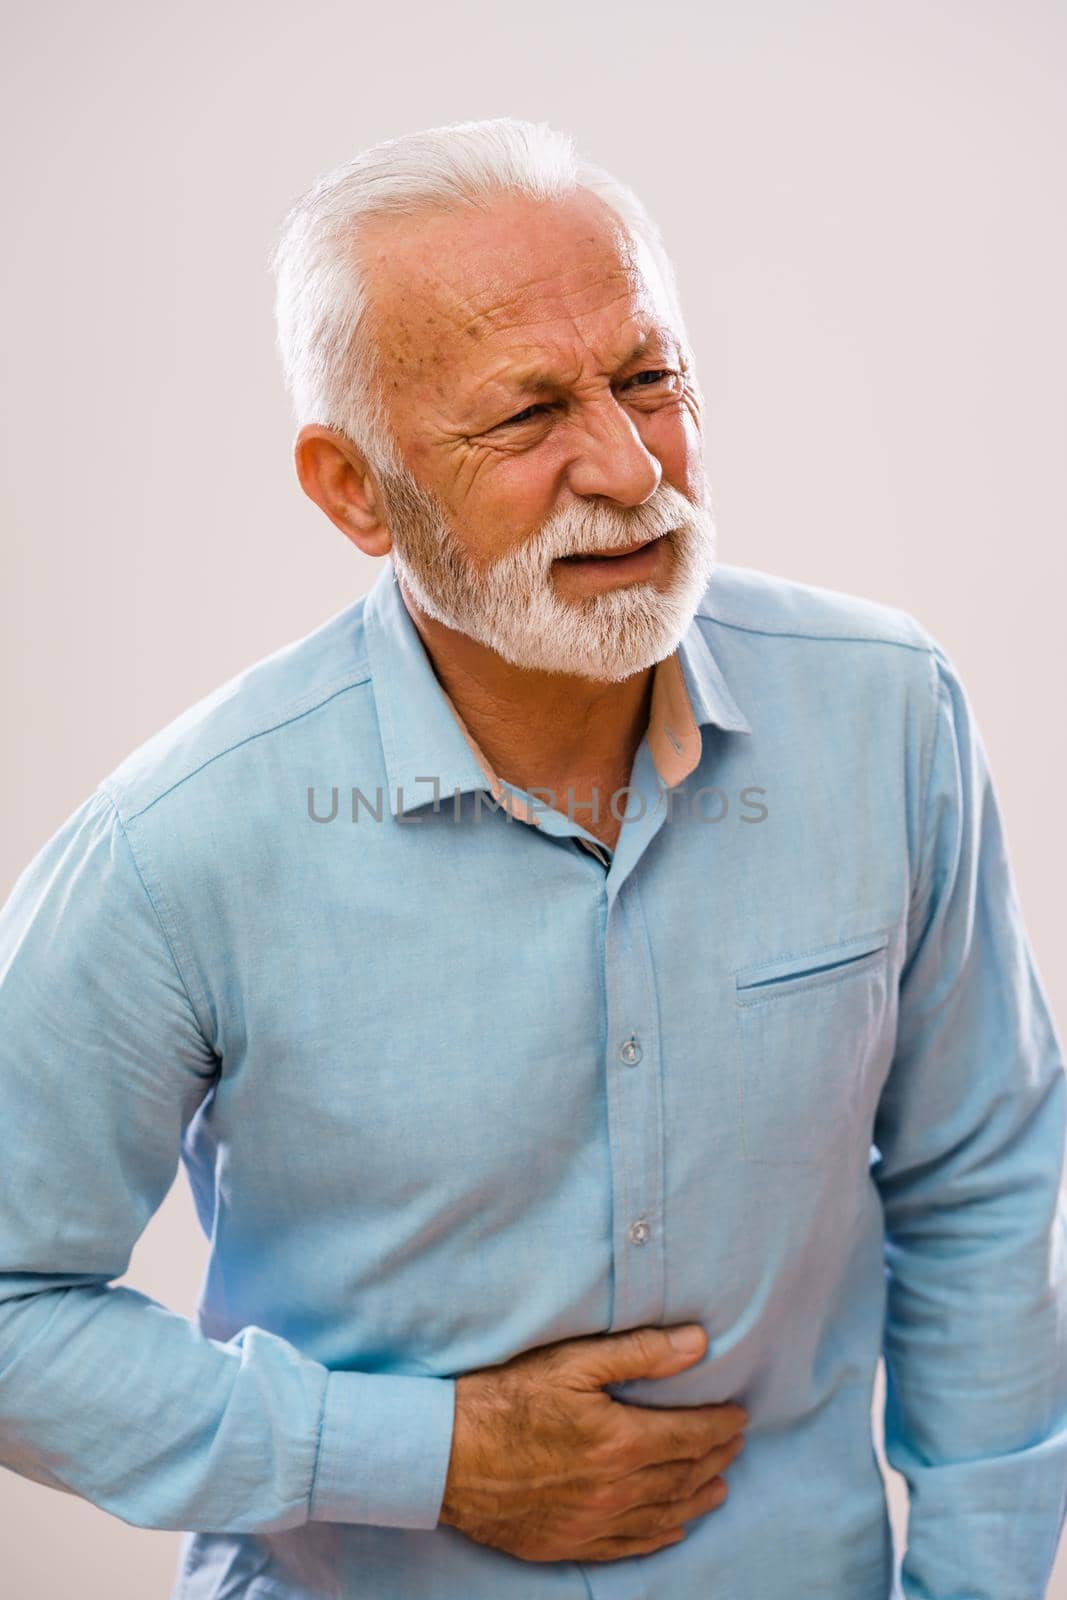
<point x="325" y="335"/>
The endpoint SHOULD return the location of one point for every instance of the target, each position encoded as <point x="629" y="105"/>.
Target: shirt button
<point x="630" y="1052"/>
<point x="639" y="1231"/>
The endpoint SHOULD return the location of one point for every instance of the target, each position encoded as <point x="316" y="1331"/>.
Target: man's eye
<point x="520" y="416"/>
<point x="656" y="373"/>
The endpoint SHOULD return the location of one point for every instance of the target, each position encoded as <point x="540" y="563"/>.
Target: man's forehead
<point x="477" y="254"/>
<point x="506" y="297"/>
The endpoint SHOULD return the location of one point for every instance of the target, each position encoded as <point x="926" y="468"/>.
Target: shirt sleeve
<point x="971" y="1133"/>
<point x="104" y="1392"/>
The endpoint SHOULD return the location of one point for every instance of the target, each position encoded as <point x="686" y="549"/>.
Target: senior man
<point x="571" y="944"/>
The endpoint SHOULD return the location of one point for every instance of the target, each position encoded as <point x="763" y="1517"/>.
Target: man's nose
<point x="611" y="459"/>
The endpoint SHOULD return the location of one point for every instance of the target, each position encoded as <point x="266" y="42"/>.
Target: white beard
<point x="513" y="608"/>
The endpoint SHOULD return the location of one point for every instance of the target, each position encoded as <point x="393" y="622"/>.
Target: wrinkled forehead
<point x="451" y="289"/>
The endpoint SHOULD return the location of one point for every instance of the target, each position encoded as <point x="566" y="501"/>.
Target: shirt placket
<point x="635" y="1112"/>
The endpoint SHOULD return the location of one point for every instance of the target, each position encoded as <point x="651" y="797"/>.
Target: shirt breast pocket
<point x="809" y="1024"/>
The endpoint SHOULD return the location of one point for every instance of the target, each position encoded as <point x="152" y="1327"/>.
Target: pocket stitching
<point x="864" y="966"/>
<point x="744" y="992"/>
<point x="789" y="986"/>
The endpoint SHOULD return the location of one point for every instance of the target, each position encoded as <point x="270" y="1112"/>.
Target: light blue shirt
<point x="449" y="1085"/>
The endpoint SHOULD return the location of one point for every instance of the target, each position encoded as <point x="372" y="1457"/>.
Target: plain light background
<point x="865" y="203"/>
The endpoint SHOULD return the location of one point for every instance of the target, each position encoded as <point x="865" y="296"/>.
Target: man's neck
<point x="538" y="729"/>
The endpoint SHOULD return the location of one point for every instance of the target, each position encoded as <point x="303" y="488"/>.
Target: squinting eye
<point x="529" y="412"/>
<point x="520" y="416"/>
<point x="652" y="372"/>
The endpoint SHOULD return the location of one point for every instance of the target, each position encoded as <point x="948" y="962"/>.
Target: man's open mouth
<point x="613" y="554"/>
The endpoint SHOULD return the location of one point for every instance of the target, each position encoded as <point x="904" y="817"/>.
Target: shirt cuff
<point x="384" y="1449"/>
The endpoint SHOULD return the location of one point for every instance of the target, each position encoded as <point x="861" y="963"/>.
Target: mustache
<point x="590" y="529"/>
<point x="580" y="529"/>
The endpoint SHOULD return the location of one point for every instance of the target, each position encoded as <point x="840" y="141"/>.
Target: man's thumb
<point x="648" y="1352"/>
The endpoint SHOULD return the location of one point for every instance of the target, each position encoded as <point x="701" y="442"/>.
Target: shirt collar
<point x="425" y="741"/>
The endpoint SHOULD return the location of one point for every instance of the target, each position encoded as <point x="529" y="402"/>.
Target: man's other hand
<point x="548" y="1467"/>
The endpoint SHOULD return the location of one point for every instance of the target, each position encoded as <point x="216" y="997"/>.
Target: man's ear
<point x="333" y="473"/>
